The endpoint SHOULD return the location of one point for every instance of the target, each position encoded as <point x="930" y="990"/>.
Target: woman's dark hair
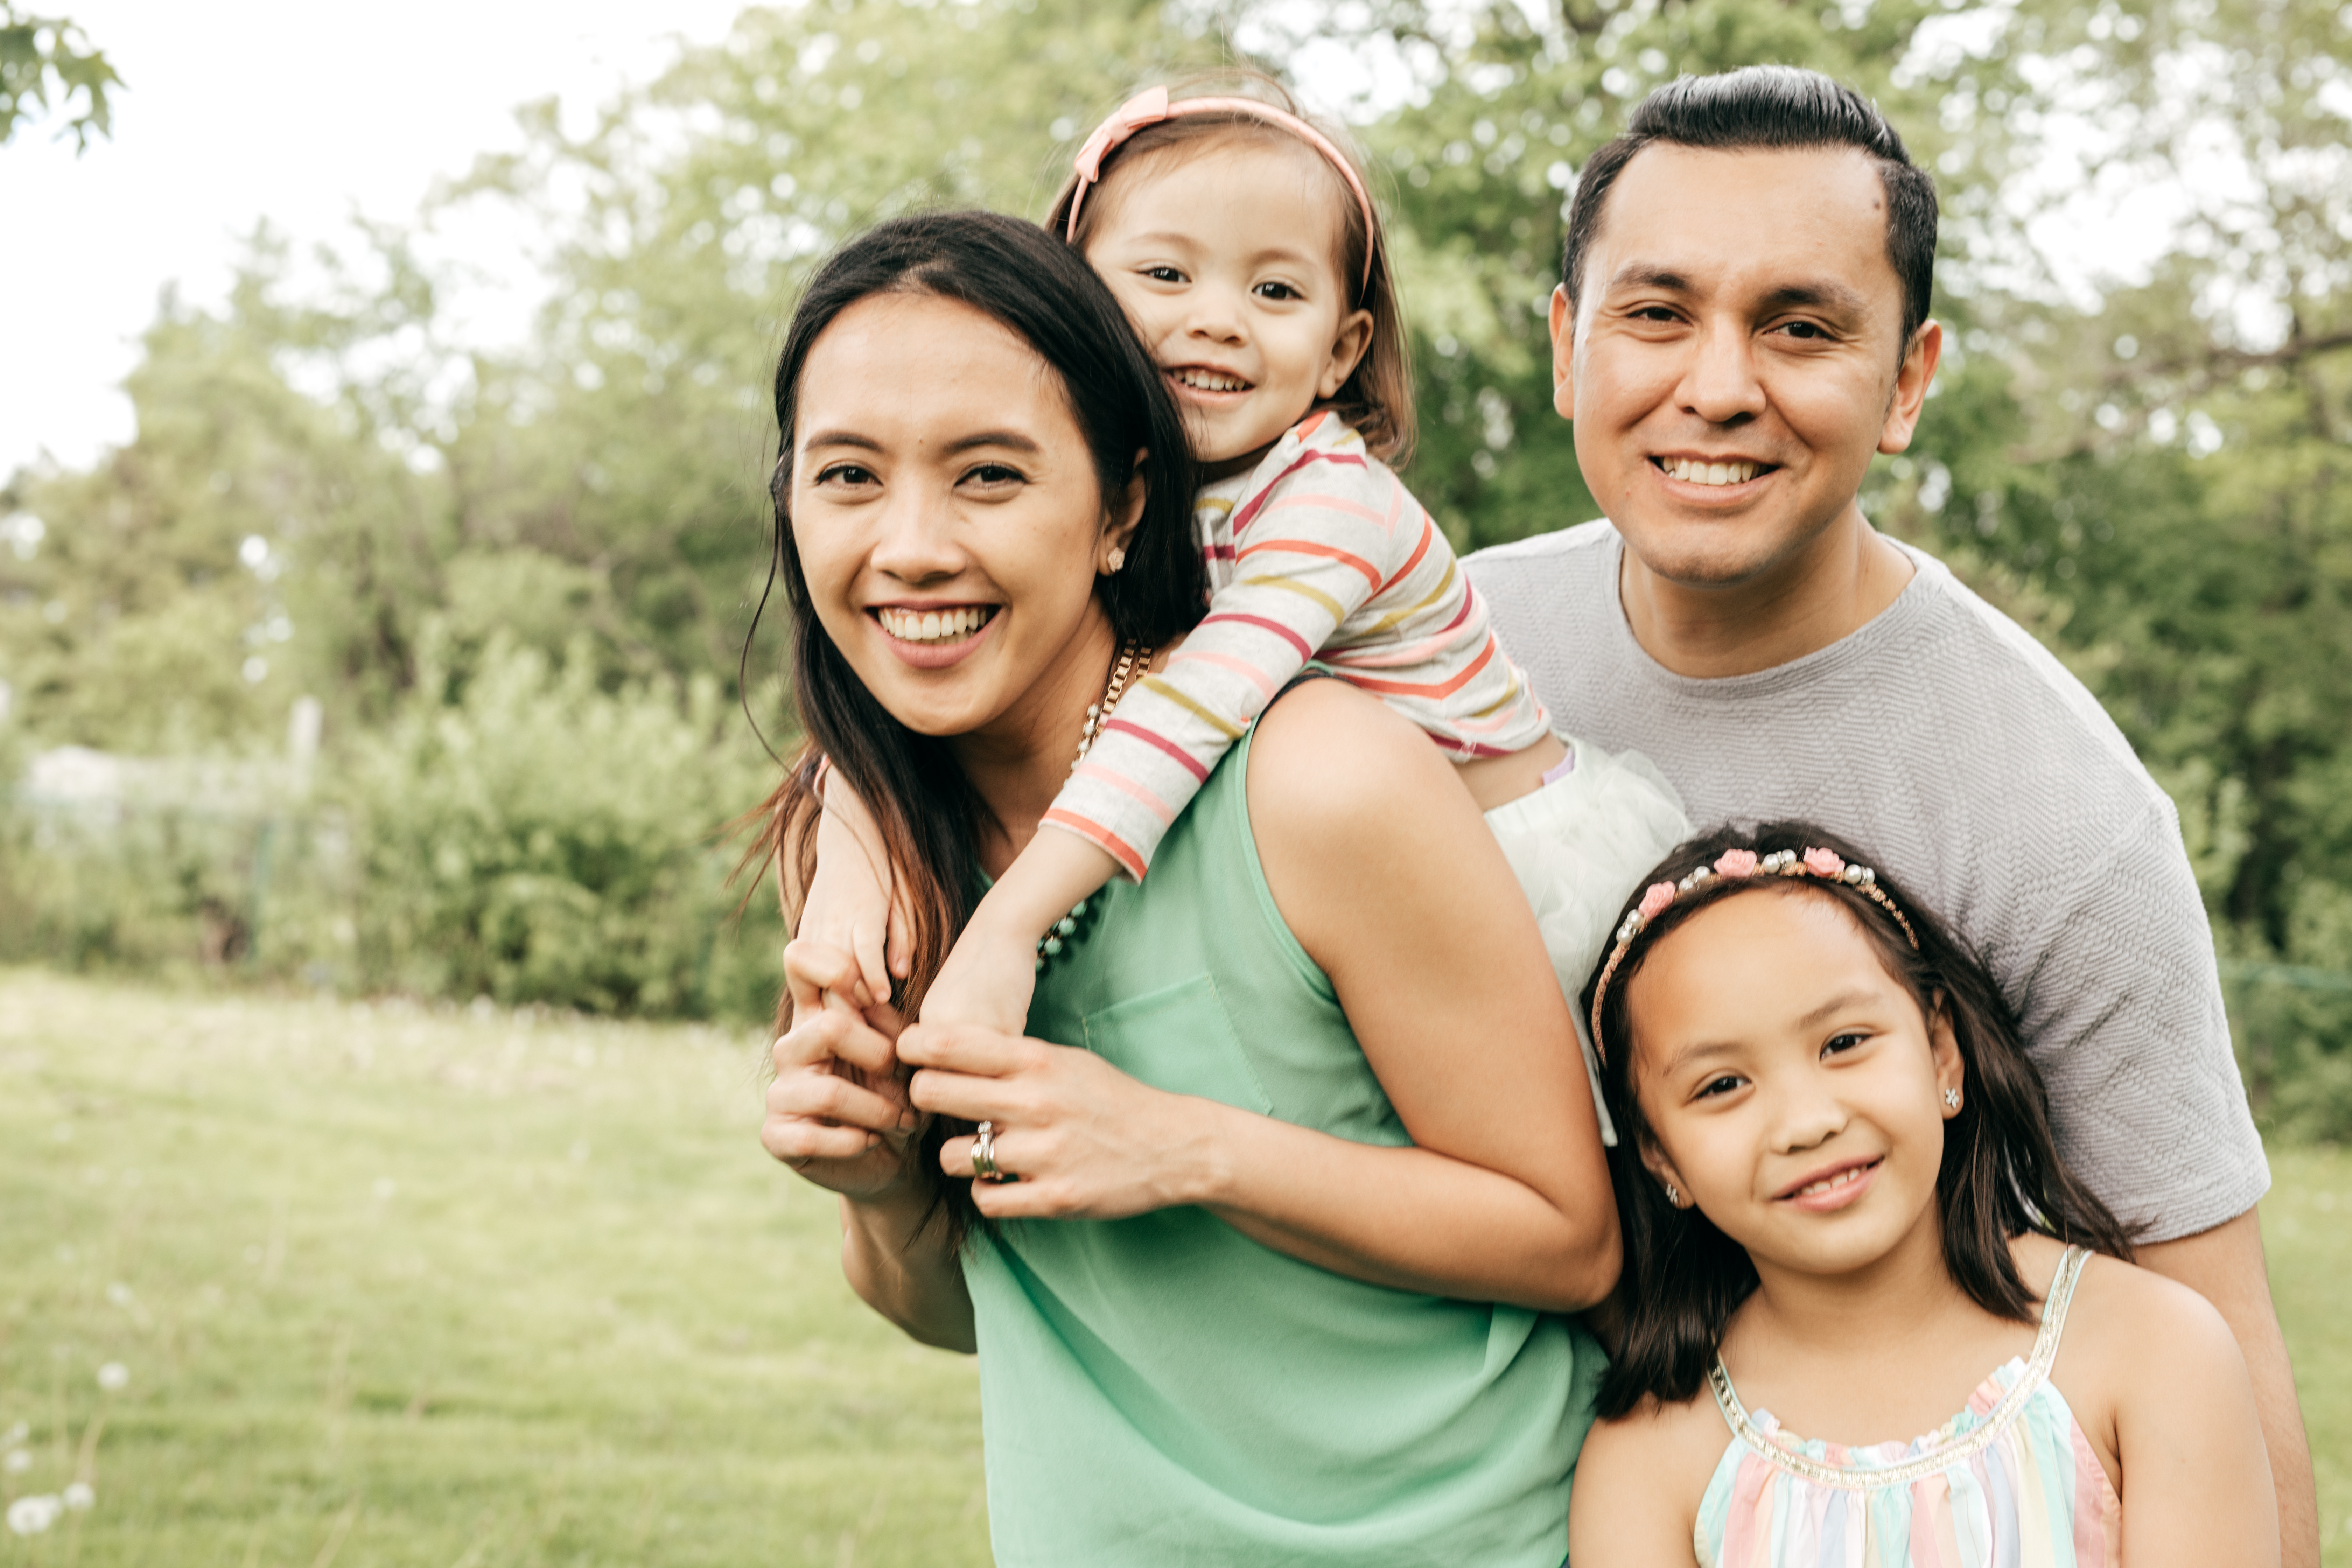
<point x="930" y="818"/>
<point x="1377" y="399"/>
<point x="1771" y="106"/>
<point x="2002" y="1174"/>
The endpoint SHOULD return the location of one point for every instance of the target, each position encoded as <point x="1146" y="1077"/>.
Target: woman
<point x="1306" y="1162"/>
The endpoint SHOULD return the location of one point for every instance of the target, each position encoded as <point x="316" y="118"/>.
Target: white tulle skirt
<point x="1581" y="846"/>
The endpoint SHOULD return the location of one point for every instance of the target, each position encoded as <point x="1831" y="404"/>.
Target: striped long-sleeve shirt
<point x="1318" y="552"/>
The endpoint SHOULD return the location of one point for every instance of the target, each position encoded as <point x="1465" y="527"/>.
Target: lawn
<point x="399" y="1286"/>
<point x="387" y="1285"/>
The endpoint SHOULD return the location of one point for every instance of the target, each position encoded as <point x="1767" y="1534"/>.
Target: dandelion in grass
<point x="114" y="1377"/>
<point x="79" y="1497"/>
<point x="17" y="1462"/>
<point x="32" y="1515"/>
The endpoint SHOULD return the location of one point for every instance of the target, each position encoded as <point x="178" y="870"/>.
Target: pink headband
<point x="1737" y="865"/>
<point x="1150" y="106"/>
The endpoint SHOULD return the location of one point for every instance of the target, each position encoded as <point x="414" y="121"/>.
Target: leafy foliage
<point x="2147" y="470"/>
<point x="537" y="839"/>
<point x="49" y="58"/>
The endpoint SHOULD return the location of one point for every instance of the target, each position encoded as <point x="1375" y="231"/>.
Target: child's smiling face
<point x="1792" y="1088"/>
<point x="1227" y="261"/>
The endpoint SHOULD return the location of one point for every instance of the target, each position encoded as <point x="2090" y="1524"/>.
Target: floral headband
<point x="1150" y="106"/>
<point x="1737" y="864"/>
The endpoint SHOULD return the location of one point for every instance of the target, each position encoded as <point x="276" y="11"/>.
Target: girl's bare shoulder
<point x="1640" y="1479"/>
<point x="2125" y="1320"/>
<point x="2124" y="1308"/>
<point x="1672" y="1442"/>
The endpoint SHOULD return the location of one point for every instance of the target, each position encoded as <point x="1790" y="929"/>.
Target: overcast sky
<point x="302" y="113"/>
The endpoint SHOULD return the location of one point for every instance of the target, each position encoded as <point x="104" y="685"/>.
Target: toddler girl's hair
<point x="2002" y="1174"/>
<point x="1377" y="400"/>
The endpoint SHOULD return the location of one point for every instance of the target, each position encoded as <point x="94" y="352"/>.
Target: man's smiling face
<point x="1739" y="357"/>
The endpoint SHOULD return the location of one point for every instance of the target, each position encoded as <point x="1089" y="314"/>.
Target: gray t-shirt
<point x="1981" y="775"/>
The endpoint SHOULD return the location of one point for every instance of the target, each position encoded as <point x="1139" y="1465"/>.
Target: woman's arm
<point x="838" y="1114"/>
<point x="1388" y="876"/>
<point x="1384" y="869"/>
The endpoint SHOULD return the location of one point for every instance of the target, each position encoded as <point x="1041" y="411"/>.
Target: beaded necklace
<point x="1132" y="657"/>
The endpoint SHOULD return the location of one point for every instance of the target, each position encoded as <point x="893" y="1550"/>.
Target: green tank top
<point x="1165" y="1390"/>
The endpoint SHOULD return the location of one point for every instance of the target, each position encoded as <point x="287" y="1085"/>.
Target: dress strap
<point x="2060" y="1296"/>
<point x="2054" y="1303"/>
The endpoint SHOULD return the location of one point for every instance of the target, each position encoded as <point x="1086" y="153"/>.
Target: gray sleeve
<point x="2122" y="1009"/>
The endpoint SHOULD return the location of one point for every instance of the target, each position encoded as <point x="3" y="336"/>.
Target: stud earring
<point x="1952" y="1098"/>
<point x="1117" y="559"/>
<point x="1673" y="1196"/>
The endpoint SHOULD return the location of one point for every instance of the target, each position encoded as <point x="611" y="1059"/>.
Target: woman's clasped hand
<point x="838" y="1110"/>
<point x="1074" y="1137"/>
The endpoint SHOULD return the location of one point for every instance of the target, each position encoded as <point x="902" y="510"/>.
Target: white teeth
<point x="1831" y="1184"/>
<point x="932" y="625"/>
<point x="1211" y="380"/>
<point x="1711" y="473"/>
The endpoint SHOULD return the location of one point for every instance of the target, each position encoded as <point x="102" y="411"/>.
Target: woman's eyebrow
<point x="1012" y="438"/>
<point x="841" y="438"/>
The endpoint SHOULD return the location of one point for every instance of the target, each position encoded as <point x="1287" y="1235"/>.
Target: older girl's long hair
<point x="930" y="818"/>
<point x="1377" y="399"/>
<point x="2002" y="1175"/>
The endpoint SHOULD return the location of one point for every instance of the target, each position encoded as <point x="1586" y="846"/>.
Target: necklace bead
<point x="1132" y="657"/>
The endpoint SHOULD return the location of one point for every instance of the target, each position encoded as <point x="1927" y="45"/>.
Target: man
<point x="1742" y="322"/>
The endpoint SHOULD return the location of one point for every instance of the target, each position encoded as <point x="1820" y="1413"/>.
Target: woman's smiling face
<point x="949" y="518"/>
<point x="1792" y="1088"/>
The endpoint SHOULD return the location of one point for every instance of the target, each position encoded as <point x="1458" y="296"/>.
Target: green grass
<point x="2307" y="1230"/>
<point x="395" y="1287"/>
<point x="399" y="1286"/>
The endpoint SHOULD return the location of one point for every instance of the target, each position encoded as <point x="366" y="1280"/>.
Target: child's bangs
<point x="1158" y="149"/>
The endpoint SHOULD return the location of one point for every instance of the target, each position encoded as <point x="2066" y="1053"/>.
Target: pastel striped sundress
<point x="2009" y="1482"/>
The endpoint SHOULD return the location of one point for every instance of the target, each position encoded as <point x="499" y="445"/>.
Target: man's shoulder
<point x="1963" y="649"/>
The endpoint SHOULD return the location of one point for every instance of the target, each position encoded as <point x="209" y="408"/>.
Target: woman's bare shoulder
<point x="1329" y="760"/>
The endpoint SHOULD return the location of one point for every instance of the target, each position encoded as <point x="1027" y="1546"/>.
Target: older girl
<point x="1846" y="1218"/>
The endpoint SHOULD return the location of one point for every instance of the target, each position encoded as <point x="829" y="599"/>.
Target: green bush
<point x="538" y="838"/>
<point x="521" y="833"/>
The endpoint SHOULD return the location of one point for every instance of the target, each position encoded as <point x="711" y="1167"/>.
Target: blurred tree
<point x="253" y="541"/>
<point x="48" y="57"/>
<point x="634" y="439"/>
<point x="2148" y="470"/>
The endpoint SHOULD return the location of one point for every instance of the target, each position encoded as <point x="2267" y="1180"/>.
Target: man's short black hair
<point x="1772" y="105"/>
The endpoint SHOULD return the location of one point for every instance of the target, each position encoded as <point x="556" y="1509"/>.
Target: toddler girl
<point x="1247" y="251"/>
<point x="1842" y="1204"/>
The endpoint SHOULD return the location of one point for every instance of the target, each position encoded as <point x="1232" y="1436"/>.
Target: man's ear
<point x="1563" y="352"/>
<point x="1911" y="383"/>
<point x="1348" y="350"/>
